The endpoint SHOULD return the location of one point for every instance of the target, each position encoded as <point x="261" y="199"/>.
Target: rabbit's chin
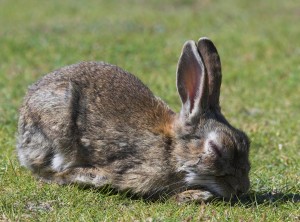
<point x="209" y="183"/>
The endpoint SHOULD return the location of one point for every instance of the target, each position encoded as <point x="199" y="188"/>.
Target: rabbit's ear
<point x="192" y="82"/>
<point x="212" y="64"/>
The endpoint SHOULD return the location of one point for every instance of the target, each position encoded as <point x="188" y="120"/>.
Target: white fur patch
<point x="123" y="144"/>
<point x="190" y="178"/>
<point x="57" y="162"/>
<point x="85" y="142"/>
<point x="55" y="128"/>
<point x="212" y="136"/>
<point x="22" y="158"/>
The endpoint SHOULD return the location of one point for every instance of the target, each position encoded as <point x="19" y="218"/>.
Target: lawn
<point x="259" y="44"/>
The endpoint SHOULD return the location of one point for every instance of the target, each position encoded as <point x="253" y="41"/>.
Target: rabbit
<point x="94" y="124"/>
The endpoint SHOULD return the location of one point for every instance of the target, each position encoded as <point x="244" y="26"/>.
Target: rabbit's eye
<point x="190" y="137"/>
<point x="221" y="174"/>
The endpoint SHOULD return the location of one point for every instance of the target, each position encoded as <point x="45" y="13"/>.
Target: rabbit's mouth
<point x="218" y="186"/>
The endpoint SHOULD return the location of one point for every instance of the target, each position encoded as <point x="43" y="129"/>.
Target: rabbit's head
<point x="210" y="152"/>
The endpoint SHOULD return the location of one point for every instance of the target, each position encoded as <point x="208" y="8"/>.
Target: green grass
<point x="259" y="44"/>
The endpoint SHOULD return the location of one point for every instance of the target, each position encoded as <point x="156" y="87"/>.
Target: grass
<point x="259" y="45"/>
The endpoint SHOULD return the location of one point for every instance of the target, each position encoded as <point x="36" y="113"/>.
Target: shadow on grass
<point x="109" y="191"/>
<point x="248" y="200"/>
<point x="260" y="198"/>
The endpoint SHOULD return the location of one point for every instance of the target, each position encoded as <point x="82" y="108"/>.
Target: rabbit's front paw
<point x="197" y="196"/>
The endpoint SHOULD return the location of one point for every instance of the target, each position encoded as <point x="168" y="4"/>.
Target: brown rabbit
<point x="95" y="124"/>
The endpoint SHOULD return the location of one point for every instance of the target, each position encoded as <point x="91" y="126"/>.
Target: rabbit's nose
<point x="239" y="192"/>
<point x="243" y="188"/>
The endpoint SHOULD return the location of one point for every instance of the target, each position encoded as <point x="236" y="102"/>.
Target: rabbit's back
<point x="91" y="113"/>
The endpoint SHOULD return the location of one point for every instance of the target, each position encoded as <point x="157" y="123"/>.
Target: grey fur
<point x="93" y="123"/>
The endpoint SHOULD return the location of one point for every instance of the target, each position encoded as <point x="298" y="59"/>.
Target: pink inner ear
<point x="192" y="86"/>
<point x="215" y="148"/>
